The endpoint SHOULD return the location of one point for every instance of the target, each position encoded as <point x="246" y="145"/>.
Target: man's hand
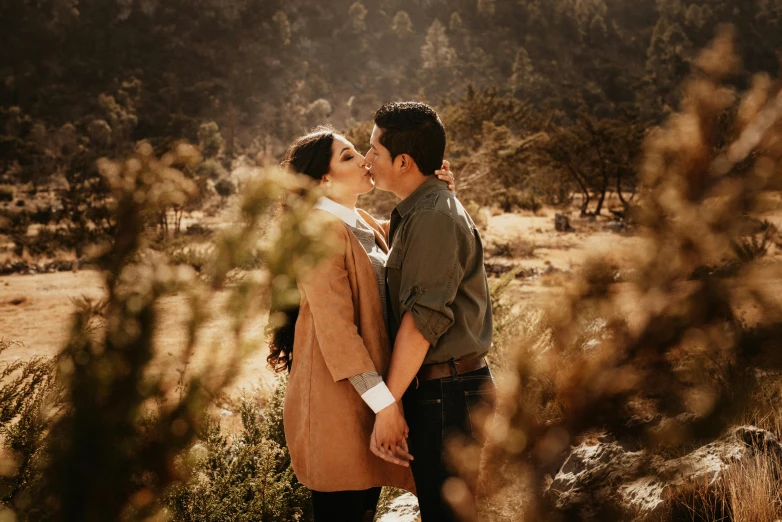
<point x="388" y="439"/>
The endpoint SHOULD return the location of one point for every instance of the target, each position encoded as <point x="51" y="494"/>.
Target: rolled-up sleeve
<point x="431" y="271"/>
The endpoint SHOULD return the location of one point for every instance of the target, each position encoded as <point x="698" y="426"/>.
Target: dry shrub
<point x="516" y="246"/>
<point x="748" y="491"/>
<point x="752" y="489"/>
<point x="479" y="215"/>
<point x="671" y="338"/>
<point x="112" y="450"/>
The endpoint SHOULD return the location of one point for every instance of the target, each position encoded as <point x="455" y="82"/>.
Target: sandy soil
<point x="35" y="310"/>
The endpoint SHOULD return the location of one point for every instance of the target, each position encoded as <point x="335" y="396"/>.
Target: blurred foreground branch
<point x="663" y="350"/>
<point x="112" y="437"/>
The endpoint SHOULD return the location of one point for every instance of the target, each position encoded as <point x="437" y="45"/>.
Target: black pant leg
<point x="369" y="507"/>
<point x="345" y="506"/>
<point x="435" y="411"/>
<point x="424" y="415"/>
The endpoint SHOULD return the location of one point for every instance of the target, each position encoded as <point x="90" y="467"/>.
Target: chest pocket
<point x="395" y="258"/>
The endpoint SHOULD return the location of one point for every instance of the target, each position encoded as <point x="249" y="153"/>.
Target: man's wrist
<point x="397" y="390"/>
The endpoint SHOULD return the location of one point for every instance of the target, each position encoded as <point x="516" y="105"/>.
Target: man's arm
<point x="409" y="352"/>
<point x="390" y="431"/>
<point x="429" y="281"/>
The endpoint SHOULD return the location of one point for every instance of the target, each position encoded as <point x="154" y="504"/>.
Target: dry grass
<point x="752" y="490"/>
<point x="516" y="246"/>
<point x="748" y="491"/>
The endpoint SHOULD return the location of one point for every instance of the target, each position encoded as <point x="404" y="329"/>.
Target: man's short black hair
<point x="415" y="129"/>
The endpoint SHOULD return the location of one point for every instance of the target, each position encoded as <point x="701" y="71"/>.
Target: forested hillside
<point x="544" y="101"/>
<point x="267" y="70"/>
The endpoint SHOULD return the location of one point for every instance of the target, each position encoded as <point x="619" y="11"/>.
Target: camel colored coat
<point x="340" y="333"/>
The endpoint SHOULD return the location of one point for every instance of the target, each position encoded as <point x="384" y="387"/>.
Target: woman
<point x="340" y="343"/>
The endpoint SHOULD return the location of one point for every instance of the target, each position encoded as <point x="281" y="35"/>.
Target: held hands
<point x="446" y="175"/>
<point x="389" y="438"/>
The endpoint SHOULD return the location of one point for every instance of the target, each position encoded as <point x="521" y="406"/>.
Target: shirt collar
<point x="427" y="187"/>
<point x="348" y="216"/>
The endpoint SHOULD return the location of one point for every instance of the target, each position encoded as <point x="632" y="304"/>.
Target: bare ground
<point x="36" y="310"/>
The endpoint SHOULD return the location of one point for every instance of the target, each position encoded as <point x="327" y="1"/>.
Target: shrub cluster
<point x="663" y="350"/>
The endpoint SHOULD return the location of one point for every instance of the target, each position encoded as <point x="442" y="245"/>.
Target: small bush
<point x="516" y="247"/>
<point x="6" y="193"/>
<point x="28" y="390"/>
<point x="246" y="476"/>
<point x="477" y="214"/>
<point x="225" y="187"/>
<point x="198" y="230"/>
<point x="512" y="198"/>
<point x="211" y="169"/>
<point x="197" y="257"/>
<point x="43" y="215"/>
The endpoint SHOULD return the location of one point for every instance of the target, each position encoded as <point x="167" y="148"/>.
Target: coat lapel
<point x="377" y="228"/>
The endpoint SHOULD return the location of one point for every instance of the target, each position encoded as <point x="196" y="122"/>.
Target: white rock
<point x="403" y="508"/>
<point x="610" y="475"/>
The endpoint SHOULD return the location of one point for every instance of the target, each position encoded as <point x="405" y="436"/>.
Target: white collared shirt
<point x="349" y="216"/>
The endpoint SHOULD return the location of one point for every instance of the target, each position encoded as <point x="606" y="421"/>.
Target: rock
<point x="616" y="226"/>
<point x="499" y="268"/>
<point x="613" y="477"/>
<point x="562" y="223"/>
<point x="403" y="508"/>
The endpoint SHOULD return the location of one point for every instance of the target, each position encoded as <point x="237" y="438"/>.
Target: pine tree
<point x="487" y="8"/>
<point x="436" y="52"/>
<point x="523" y="75"/>
<point x="280" y="19"/>
<point x="401" y="25"/>
<point x="357" y="15"/>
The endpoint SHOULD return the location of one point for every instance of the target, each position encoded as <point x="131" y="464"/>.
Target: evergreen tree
<point x="402" y="26"/>
<point x="437" y="53"/>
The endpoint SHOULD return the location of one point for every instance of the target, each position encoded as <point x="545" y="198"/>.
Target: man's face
<point x="379" y="160"/>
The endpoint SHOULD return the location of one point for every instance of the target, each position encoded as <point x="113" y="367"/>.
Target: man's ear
<point x="406" y="163"/>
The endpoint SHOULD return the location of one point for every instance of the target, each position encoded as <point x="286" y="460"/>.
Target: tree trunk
<point x="625" y="203"/>
<point x="584" y="190"/>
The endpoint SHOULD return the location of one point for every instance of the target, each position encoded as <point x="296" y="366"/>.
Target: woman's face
<point x="348" y="174"/>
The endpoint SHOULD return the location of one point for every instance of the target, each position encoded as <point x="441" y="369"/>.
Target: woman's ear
<point x="325" y="181"/>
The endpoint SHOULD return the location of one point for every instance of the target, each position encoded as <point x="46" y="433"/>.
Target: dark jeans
<point x="345" y="506"/>
<point x="442" y="412"/>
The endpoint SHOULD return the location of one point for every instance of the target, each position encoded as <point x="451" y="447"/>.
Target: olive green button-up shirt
<point x="435" y="272"/>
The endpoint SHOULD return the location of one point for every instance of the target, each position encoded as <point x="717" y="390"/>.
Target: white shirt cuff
<point x="378" y="397"/>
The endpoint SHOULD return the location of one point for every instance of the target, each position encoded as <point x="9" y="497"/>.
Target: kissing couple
<point x="386" y="351"/>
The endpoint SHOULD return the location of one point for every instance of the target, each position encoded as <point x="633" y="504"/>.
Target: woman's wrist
<point x="378" y="397"/>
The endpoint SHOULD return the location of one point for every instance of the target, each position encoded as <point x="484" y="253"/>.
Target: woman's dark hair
<point x="309" y="155"/>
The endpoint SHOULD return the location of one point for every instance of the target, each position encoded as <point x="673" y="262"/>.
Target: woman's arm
<point x="327" y="291"/>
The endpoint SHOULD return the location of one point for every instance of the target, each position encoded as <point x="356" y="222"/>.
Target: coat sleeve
<point x="327" y="291"/>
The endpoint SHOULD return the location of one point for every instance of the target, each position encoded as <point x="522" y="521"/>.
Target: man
<point x="439" y="306"/>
